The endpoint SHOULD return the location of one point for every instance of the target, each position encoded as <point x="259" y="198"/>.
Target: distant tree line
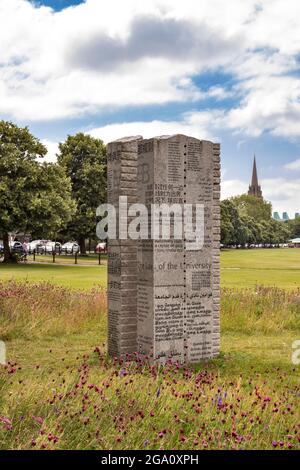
<point x="247" y="220"/>
<point x="59" y="200"/>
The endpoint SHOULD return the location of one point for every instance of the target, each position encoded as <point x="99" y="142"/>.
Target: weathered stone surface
<point x="177" y="289"/>
<point x="122" y="254"/>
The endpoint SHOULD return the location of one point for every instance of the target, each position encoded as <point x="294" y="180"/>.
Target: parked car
<point x="17" y="247"/>
<point x="37" y="246"/>
<point x="101" y="248"/>
<point x="70" y="248"/>
<point x="1" y="249"/>
<point x="51" y="247"/>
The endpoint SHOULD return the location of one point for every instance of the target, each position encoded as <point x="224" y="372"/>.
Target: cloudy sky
<point x="226" y="71"/>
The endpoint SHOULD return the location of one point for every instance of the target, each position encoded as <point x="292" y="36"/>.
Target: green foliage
<point x="233" y="230"/>
<point x="84" y="160"/>
<point x="246" y="220"/>
<point x="229" y="222"/>
<point x="19" y="175"/>
<point x="34" y="196"/>
<point x="252" y="206"/>
<point x="294" y="227"/>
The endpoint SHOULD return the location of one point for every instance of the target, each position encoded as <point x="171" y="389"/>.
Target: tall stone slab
<point x="122" y="253"/>
<point x="178" y="298"/>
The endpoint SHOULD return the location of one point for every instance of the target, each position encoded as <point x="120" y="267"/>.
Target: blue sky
<point x="58" y="5"/>
<point x="162" y="66"/>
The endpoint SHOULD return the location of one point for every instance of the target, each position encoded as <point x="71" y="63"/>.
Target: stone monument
<point x="164" y="292"/>
<point x="178" y="298"/>
<point x="122" y="253"/>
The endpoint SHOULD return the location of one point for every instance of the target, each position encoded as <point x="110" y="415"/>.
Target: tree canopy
<point x="294" y="227"/>
<point x="34" y="195"/>
<point x="253" y="206"/>
<point x="246" y="220"/>
<point x="84" y="160"/>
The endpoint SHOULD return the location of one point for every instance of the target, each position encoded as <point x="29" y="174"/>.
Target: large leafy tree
<point x="253" y="206"/>
<point x="233" y="231"/>
<point x="279" y="232"/>
<point x="84" y="159"/>
<point x="34" y="196"/>
<point x="227" y="228"/>
<point x="294" y="227"/>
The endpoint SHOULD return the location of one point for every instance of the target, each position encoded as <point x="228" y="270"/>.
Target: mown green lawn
<point x="239" y="268"/>
<point x="90" y="260"/>
<point x="77" y="277"/>
<point x="273" y="267"/>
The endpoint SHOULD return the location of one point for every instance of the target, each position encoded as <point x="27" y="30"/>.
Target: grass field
<point x="69" y="260"/>
<point x="74" y="276"/>
<point x="276" y="267"/>
<point x="239" y="268"/>
<point x="60" y="391"/>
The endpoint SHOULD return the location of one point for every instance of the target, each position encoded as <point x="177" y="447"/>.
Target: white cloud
<point x="90" y="59"/>
<point x="219" y="93"/>
<point x="87" y="58"/>
<point x="283" y="193"/>
<point x="194" y="124"/>
<point x="271" y="103"/>
<point x="52" y="148"/>
<point x="293" y="166"/>
<point x="231" y="188"/>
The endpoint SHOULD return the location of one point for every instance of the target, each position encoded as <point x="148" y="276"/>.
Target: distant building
<point x="254" y="188"/>
<point x="285" y="216"/>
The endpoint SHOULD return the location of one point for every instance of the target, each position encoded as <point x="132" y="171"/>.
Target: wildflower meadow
<point x="59" y="390"/>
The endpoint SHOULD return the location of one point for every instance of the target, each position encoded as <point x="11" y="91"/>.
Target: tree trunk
<point x="81" y="242"/>
<point x="7" y="254"/>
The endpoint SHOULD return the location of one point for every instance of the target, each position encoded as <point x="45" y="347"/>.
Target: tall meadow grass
<point x="60" y="399"/>
<point x="260" y="310"/>
<point x="29" y="310"/>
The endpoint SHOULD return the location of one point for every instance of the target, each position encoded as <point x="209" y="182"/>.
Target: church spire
<point x="254" y="174"/>
<point x="254" y="188"/>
